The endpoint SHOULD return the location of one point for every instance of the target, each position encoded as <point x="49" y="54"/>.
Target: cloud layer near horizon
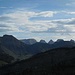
<point x="20" y="21"/>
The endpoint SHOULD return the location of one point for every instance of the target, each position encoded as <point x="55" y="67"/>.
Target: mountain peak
<point x="60" y="40"/>
<point x="8" y="38"/>
<point x="29" y="41"/>
<point x="42" y="41"/>
<point x="72" y="41"/>
<point x="7" y="35"/>
<point x="51" y="42"/>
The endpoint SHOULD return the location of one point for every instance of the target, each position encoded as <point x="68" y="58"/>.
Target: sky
<point x="38" y="19"/>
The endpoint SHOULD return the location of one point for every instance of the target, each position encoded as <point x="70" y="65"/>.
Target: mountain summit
<point x="42" y="41"/>
<point x="14" y="46"/>
<point x="29" y="41"/>
<point x="51" y="42"/>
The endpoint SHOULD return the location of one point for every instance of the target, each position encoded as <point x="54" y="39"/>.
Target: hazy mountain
<point x="51" y="42"/>
<point x="29" y="41"/>
<point x="72" y="41"/>
<point x="59" y="43"/>
<point x="42" y="41"/>
<point x="19" y="50"/>
<point x="59" y="40"/>
<point x="62" y="43"/>
<point x="60" y="61"/>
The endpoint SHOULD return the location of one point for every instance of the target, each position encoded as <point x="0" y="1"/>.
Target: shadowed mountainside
<point x="4" y="57"/>
<point x="14" y="47"/>
<point x="55" y="62"/>
<point x="20" y="50"/>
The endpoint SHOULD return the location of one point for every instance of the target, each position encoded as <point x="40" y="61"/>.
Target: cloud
<point x="4" y="18"/>
<point x="68" y="25"/>
<point x="64" y="21"/>
<point x="3" y="30"/>
<point x="65" y="26"/>
<point x="22" y="18"/>
<point x="20" y="21"/>
<point x="8" y="26"/>
<point x="46" y="14"/>
<point x="70" y="28"/>
<point x="3" y="25"/>
<point x="69" y="12"/>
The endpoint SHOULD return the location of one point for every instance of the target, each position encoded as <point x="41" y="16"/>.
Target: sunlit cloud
<point x="20" y="21"/>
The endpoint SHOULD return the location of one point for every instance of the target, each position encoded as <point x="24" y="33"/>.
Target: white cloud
<point x="22" y="18"/>
<point x="16" y="20"/>
<point x="64" y="21"/>
<point x="69" y="12"/>
<point x="70" y="27"/>
<point x="60" y="36"/>
<point x="46" y="14"/>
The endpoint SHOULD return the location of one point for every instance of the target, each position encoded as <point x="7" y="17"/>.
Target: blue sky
<point x="39" y="19"/>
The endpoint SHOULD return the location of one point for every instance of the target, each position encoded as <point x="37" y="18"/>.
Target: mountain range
<point x="33" y="41"/>
<point x="23" y="49"/>
<point x="18" y="57"/>
<point x="29" y="41"/>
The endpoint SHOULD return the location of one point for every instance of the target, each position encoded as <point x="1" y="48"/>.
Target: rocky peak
<point x="60" y="40"/>
<point x="72" y="41"/>
<point x="29" y="41"/>
<point x="51" y="42"/>
<point x="42" y="41"/>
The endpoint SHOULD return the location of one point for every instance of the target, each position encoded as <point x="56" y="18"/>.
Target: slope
<point x="55" y="62"/>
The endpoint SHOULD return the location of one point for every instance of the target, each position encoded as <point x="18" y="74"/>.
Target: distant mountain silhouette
<point x="59" y="40"/>
<point x="16" y="48"/>
<point x="42" y="41"/>
<point x="51" y="42"/>
<point x="29" y="41"/>
<point x="38" y="47"/>
<point x="72" y="41"/>
<point x="43" y="46"/>
<point x="62" y="43"/>
<point x="60" y="61"/>
<point x="19" y="50"/>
